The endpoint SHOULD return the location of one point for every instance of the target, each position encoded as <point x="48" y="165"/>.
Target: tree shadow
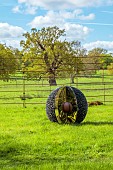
<point x="97" y="123"/>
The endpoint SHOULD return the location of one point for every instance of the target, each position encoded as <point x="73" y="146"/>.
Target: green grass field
<point x="96" y="88"/>
<point x="28" y="140"/>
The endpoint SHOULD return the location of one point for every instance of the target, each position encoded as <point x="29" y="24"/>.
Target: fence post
<point x="24" y="97"/>
<point x="104" y="86"/>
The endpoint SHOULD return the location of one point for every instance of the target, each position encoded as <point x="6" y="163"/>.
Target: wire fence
<point x="21" y="89"/>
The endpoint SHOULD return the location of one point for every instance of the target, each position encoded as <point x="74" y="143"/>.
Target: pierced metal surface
<point x="71" y="95"/>
<point x="65" y="94"/>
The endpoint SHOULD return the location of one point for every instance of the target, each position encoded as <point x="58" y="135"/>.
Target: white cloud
<point x="89" y="17"/>
<point x="26" y="9"/>
<point x="12" y="43"/>
<point x="108" y="45"/>
<point x="16" y="9"/>
<point x="76" y="31"/>
<point x="61" y="19"/>
<point x="9" y="34"/>
<point x="65" y="4"/>
<point x="76" y="14"/>
<point x="10" y="31"/>
<point x="52" y="18"/>
<point x="31" y="10"/>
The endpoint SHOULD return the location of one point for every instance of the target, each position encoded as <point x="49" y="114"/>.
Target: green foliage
<point x="96" y="59"/>
<point x="110" y="69"/>
<point x="18" y="54"/>
<point x="106" y="60"/>
<point x="8" y="62"/>
<point x="47" y="52"/>
<point x="95" y="55"/>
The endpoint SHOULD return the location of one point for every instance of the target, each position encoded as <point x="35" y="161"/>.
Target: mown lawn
<point x="28" y="140"/>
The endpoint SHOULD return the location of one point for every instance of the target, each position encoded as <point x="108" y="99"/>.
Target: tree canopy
<point x="47" y="52"/>
<point x="96" y="59"/>
<point x="8" y="62"/>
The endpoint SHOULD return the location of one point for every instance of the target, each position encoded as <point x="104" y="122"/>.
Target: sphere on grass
<point x="66" y="105"/>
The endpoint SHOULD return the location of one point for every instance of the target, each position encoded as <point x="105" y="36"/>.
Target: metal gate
<point x="19" y="89"/>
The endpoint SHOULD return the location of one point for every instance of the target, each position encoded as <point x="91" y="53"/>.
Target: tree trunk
<point x="52" y="80"/>
<point x="72" y="76"/>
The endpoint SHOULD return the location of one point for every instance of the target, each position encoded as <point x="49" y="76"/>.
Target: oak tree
<point x="46" y="52"/>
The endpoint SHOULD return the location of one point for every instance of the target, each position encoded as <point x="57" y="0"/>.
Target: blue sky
<point x="90" y="22"/>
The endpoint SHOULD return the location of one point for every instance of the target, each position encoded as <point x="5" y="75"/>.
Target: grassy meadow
<point x="95" y="88"/>
<point x="29" y="141"/>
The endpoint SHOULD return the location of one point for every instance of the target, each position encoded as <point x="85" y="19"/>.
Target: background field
<point x="19" y="90"/>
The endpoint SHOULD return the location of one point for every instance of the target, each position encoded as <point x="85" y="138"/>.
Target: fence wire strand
<point x="24" y="89"/>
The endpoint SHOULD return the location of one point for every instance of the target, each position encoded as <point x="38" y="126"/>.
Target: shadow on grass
<point x="42" y="162"/>
<point x="97" y="123"/>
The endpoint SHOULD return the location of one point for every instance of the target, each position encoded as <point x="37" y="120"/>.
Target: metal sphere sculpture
<point x="66" y="105"/>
